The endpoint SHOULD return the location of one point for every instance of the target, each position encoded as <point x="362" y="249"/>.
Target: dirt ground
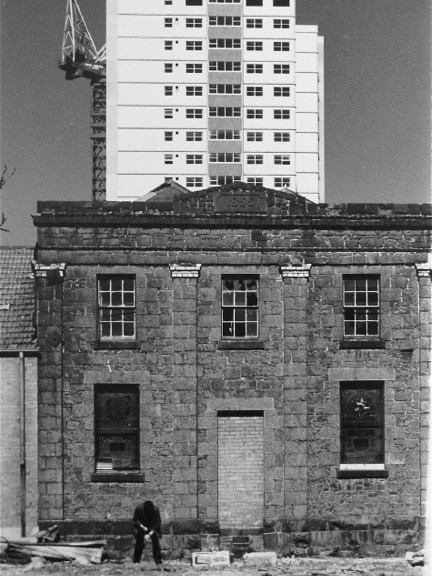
<point x="285" y="566"/>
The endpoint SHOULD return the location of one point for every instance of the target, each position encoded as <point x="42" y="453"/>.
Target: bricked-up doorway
<point x="240" y="469"/>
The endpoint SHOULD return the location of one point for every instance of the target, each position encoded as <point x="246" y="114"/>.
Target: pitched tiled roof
<point x="17" y="299"/>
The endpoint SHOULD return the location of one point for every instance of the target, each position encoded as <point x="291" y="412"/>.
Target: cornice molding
<point x="43" y="270"/>
<point x="185" y="270"/>
<point x="296" y="271"/>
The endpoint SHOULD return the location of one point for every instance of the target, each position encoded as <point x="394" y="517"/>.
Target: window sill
<point x="119" y="477"/>
<point x="240" y="345"/>
<point x="117" y="345"/>
<point x="362" y="471"/>
<point x="362" y="344"/>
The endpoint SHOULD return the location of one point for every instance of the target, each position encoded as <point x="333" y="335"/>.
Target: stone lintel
<point x="185" y="270"/>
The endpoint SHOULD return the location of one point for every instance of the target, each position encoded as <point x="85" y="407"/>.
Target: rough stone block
<point x="260" y="559"/>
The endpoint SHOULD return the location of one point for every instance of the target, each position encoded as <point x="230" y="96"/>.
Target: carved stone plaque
<point x="240" y="203"/>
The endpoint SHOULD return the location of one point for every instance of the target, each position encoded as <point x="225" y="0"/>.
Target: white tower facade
<point x="207" y="92"/>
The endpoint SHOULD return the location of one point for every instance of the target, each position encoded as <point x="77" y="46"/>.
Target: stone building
<point x="255" y="363"/>
<point x="18" y="394"/>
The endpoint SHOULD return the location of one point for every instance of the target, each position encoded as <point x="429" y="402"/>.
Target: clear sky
<point x="377" y="104"/>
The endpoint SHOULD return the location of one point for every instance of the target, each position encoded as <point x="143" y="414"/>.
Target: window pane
<point x="240" y="298"/>
<point x="373" y="298"/>
<point x="252" y="299"/>
<point x="240" y="314"/>
<point x="252" y="315"/>
<point x="116" y="284"/>
<point x="349" y="284"/>
<point x="349" y="328"/>
<point x="227" y="314"/>
<point x="349" y="298"/>
<point x="116" y="329"/>
<point x="104" y="284"/>
<point x="240" y="330"/>
<point x="252" y="330"/>
<point x="361" y="299"/>
<point x="227" y="298"/>
<point x="105" y="329"/>
<point x="129" y="329"/>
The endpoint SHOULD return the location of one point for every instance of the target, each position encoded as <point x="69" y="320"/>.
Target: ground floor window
<point x="362" y="422"/>
<point x="116" y="427"/>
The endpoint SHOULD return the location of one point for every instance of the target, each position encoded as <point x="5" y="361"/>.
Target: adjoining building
<point x="18" y="394"/>
<point x="207" y="92"/>
<point x="255" y="363"/>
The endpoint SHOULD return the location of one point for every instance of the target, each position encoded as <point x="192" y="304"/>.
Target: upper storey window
<point x="254" y="23"/>
<point x="240" y="307"/>
<point x="224" y="21"/>
<point x="361" y="306"/>
<point x="194" y="2"/>
<point x="225" y="43"/>
<point x="281" y="3"/>
<point x="116" y="307"/>
<point x="254" y="2"/>
<point x="281" y="23"/>
<point x="193" y="22"/>
<point x="224" y="66"/>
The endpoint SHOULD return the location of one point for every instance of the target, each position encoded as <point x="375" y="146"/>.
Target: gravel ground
<point x="288" y="566"/>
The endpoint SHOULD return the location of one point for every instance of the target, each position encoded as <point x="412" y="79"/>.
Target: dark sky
<point x="377" y="104"/>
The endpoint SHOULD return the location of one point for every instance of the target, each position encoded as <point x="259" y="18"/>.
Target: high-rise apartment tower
<point x="207" y="92"/>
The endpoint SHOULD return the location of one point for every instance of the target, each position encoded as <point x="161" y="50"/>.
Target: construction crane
<point x="81" y="59"/>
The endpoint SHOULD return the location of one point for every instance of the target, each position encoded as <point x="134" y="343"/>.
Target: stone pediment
<point x="238" y="198"/>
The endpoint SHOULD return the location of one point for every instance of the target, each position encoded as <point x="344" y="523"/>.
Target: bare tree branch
<point x="3" y="180"/>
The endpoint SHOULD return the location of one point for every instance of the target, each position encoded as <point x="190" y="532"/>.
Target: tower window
<point x="282" y="182"/>
<point x="281" y="46"/>
<point x="281" y="23"/>
<point x="282" y="114"/>
<point x="254" y="159"/>
<point x="254" y="91"/>
<point x="193" y="22"/>
<point x="283" y="91"/>
<point x="282" y="137"/>
<point x="254" y="23"/>
<point x="282" y="160"/>
<point x="254" y="68"/>
<point x="254" y="45"/>
<point x="281" y="68"/>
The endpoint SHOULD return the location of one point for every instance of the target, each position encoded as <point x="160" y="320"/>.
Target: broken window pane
<point x="240" y="307"/>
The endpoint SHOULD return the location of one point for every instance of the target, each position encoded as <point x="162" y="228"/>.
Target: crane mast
<point x="81" y="59"/>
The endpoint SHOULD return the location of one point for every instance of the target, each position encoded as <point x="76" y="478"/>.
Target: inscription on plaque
<point x="240" y="203"/>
